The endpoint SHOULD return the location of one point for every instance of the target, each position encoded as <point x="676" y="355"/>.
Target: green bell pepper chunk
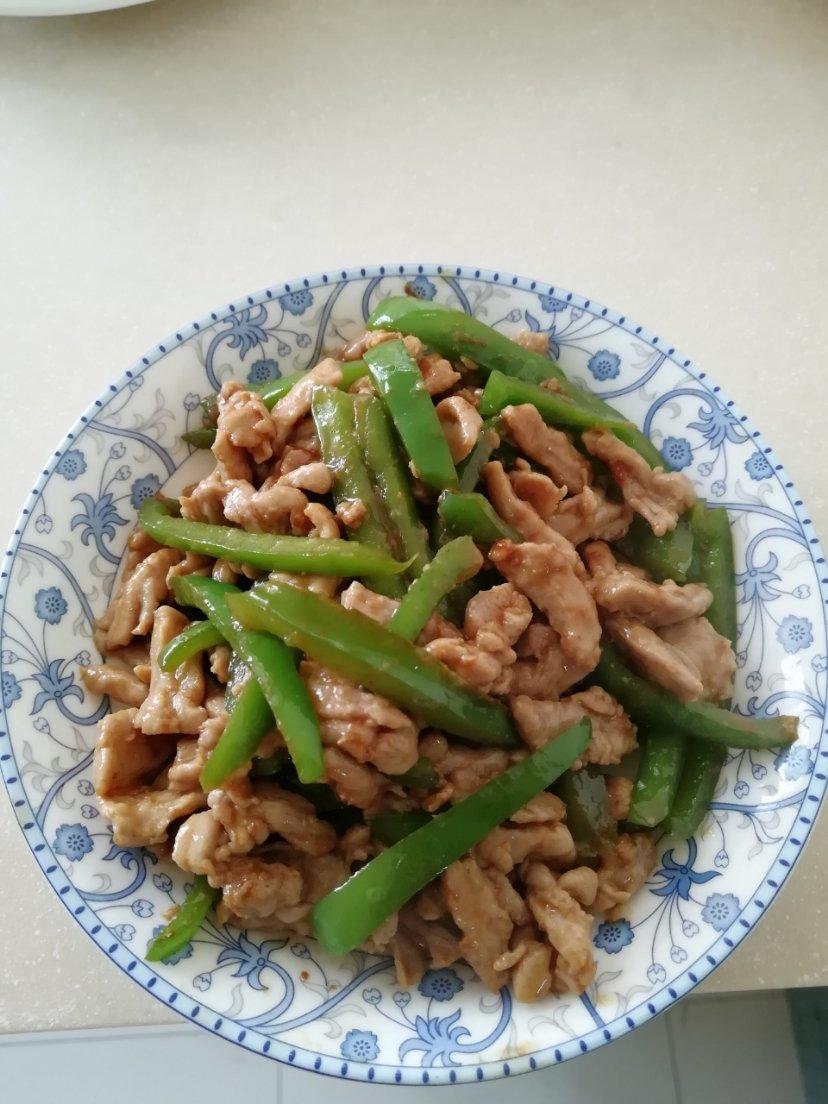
<point x="659" y="771"/>
<point x="389" y="828"/>
<point x="655" y="708"/>
<point x="186" y="922"/>
<point x="196" y="638"/>
<point x="473" y="515"/>
<point x="335" y="420"/>
<point x="400" y="386"/>
<point x="263" y="550"/>
<point x="453" y="564"/>
<point x="588" y="815"/>
<point x="392" y="481"/>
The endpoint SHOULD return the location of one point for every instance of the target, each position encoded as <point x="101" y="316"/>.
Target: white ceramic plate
<point x="69" y="7"/>
<point x="286" y="999"/>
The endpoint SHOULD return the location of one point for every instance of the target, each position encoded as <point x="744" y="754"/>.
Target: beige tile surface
<point x="666" y="158"/>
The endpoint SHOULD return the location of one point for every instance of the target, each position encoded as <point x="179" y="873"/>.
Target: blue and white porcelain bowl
<point x="285" y="998"/>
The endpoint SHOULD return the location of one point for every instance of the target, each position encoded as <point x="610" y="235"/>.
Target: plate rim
<point x="155" y="984"/>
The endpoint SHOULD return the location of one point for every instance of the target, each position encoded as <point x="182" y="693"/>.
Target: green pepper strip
<point x="588" y="815"/>
<point x="400" y="386"/>
<point x="468" y="470"/>
<point x="472" y="514"/>
<point x="422" y="776"/>
<point x="186" y="922"/>
<point x="391" y="479"/>
<point x="196" y="638"/>
<point x="250" y="720"/>
<point x="453" y="564"/>
<point x="455" y="335"/>
<point x="714" y="566"/>
<point x="655" y="708"/>
<point x="273" y="390"/>
<point x="270" y="765"/>
<point x="334" y="417"/>
<point x="389" y="828"/>
<point x="372" y="655"/>
<point x="263" y="550"/>
<point x="555" y="408"/>
<point x="348" y="915"/>
<point x="199" y="438"/>
<point x="659" y="771"/>
<point x="274" y="668"/>
<point x="667" y="557"/>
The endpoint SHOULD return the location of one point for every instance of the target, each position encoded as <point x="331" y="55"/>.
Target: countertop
<point x="668" y="159"/>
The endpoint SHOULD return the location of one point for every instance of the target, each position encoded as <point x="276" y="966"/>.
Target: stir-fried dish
<point x="425" y="663"/>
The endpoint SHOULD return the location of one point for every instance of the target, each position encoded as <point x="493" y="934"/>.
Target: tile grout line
<point x="671" y="1050"/>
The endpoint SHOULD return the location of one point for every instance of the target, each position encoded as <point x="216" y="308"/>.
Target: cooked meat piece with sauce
<point x="461" y="426"/>
<point x="613" y="733"/>
<point x="566" y="925"/>
<point x="175" y="699"/>
<point x="660" y="497"/>
<point x="546" y="575"/>
<point x="551" y="448"/>
<point x="708" y="652"/>
<point x="115" y="678"/>
<point x="485" y="924"/>
<point x="657" y="660"/>
<point x="368" y="727"/>
<point x="622" y="872"/>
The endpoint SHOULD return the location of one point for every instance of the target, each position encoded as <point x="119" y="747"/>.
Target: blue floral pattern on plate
<point x="287" y="999"/>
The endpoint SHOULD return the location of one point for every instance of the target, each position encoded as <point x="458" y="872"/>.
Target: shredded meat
<point x="532" y="972"/>
<point x="143" y="818"/>
<point x="565" y="924"/>
<point x="438" y="374"/>
<point x="545" y="574"/>
<point x="143" y="588"/>
<point x="461" y="426"/>
<point x="277" y="508"/>
<point x="709" y="653"/>
<point x="508" y="845"/>
<point x="353" y="783"/>
<point x="479" y="669"/>
<point x="485" y="924"/>
<point x="371" y="339"/>
<point x="351" y="512"/>
<point x="462" y="770"/>
<point x="368" y="727"/>
<point x="174" y="701"/>
<point x="495" y="618"/>
<point x="315" y="477"/>
<point x="660" y="497"/>
<point x="613" y="733"/>
<point x="295" y="405"/>
<point x="513" y="509"/>
<point x="123" y="757"/>
<point x="548" y="447"/>
<point x="622" y="871"/>
<point x="591" y="514"/>
<point x="619" y="792"/>
<point x="204" y="501"/>
<point x="537" y="341"/>
<point x="245" y="433"/>
<point x="656" y="658"/>
<point x="115" y="678"/>
<point x="540" y="492"/>
<point x="541" y="670"/>
<point x="380" y="608"/>
<point x="619" y="590"/>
